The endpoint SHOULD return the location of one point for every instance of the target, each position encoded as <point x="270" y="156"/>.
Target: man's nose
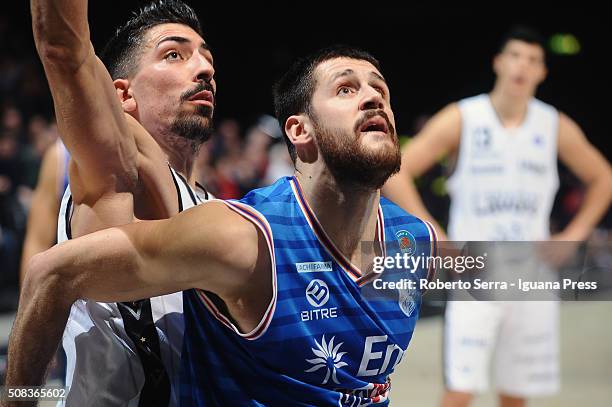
<point x="372" y="100"/>
<point x="204" y="69"/>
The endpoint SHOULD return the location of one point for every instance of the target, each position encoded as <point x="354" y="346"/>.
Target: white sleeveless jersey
<point x="104" y="367"/>
<point x="505" y="181"/>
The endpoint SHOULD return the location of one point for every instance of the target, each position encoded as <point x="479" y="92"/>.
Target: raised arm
<point x="593" y="170"/>
<point x="89" y="116"/>
<point x="439" y="137"/>
<point x="139" y="260"/>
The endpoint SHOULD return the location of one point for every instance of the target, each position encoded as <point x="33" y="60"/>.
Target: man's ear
<point x="300" y="130"/>
<point x="124" y="93"/>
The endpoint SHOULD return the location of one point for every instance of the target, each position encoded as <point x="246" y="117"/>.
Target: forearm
<point x="100" y="265"/>
<point x="43" y="310"/>
<point x="60" y="28"/>
<point x="596" y="203"/>
<point x="111" y="265"/>
<point x="89" y="116"/>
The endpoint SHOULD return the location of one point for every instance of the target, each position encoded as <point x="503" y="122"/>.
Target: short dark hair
<point x="120" y="54"/>
<point x="523" y="33"/>
<point x="293" y="91"/>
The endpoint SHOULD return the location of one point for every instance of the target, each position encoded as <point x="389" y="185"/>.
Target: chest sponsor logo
<point x="494" y="203"/>
<point x="487" y="169"/>
<point x="317" y="295"/>
<point x="314" y="266"/>
<point x="328" y="359"/>
<point x="379" y="357"/>
<point x="533" y="167"/>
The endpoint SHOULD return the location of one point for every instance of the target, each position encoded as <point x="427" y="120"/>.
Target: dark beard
<point x="350" y="163"/>
<point x="195" y="126"/>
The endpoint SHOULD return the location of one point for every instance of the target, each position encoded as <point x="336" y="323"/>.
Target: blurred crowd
<point x="233" y="163"/>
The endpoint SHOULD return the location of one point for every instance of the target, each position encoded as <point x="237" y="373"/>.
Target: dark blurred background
<point x="431" y="56"/>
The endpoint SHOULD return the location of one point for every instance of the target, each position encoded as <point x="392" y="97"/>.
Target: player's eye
<point x="344" y="90"/>
<point x="172" y="56"/>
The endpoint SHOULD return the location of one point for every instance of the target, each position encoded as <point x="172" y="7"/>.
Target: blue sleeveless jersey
<point x="327" y="338"/>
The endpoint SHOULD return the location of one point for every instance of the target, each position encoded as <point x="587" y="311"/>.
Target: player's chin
<point x="378" y="142"/>
<point x="386" y="152"/>
<point x="204" y="112"/>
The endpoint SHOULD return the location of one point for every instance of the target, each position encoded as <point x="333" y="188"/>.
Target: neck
<point x="181" y="154"/>
<point x="510" y="109"/>
<point x="347" y="213"/>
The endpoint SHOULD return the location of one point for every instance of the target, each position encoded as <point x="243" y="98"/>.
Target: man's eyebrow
<point x="378" y="76"/>
<point x="346" y="72"/>
<point x="349" y="71"/>
<point x="182" y="40"/>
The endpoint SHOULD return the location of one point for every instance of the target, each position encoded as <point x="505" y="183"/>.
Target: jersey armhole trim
<point x="254" y="216"/>
<point x="433" y="243"/>
<point x="68" y="218"/>
<point x="178" y="189"/>
<point x="455" y="158"/>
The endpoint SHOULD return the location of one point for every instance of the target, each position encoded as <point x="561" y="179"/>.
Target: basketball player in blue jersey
<point x="506" y="144"/>
<point x="274" y="291"/>
<point x="133" y="125"/>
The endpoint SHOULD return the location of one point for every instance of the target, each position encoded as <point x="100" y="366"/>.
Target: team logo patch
<point x="538" y="140"/>
<point x="317" y="293"/>
<point x="407" y="243"/>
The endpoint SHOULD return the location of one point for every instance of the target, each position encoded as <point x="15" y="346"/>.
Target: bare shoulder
<point x="448" y="119"/>
<point x="578" y="154"/>
<point x="444" y="126"/>
<point x="230" y="242"/>
<point x="440" y="136"/>
<point x="570" y="136"/>
<point x="216" y="212"/>
<point x="451" y="112"/>
<point x="568" y="127"/>
<point x="223" y="229"/>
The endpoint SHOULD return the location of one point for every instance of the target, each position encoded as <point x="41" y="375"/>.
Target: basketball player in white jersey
<point x="133" y="125"/>
<point x="506" y="144"/>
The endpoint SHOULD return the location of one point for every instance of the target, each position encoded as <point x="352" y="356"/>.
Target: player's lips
<point x="204" y="97"/>
<point x="375" y="124"/>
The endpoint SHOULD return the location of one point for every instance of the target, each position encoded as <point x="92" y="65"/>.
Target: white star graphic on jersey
<point x="328" y="357"/>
